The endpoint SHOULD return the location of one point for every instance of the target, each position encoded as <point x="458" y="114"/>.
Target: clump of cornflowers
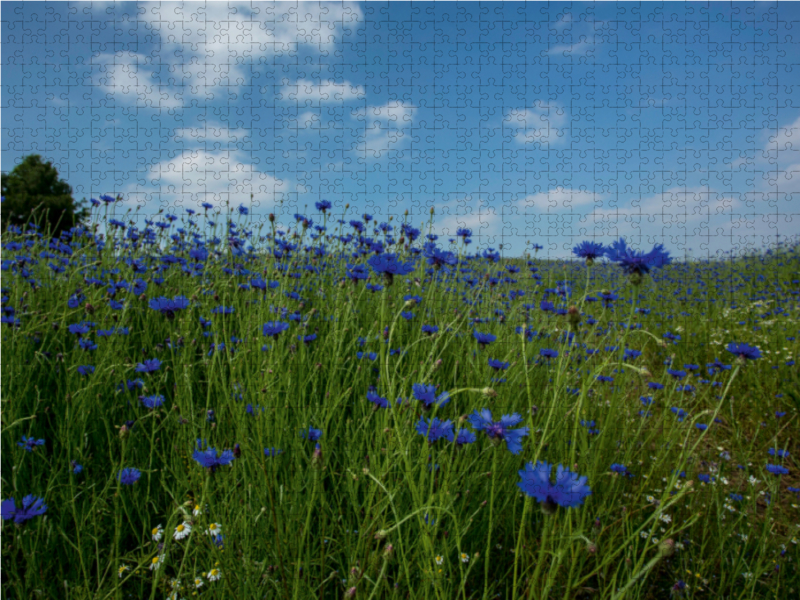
<point x="591" y="251"/>
<point x="501" y="430"/>
<point x="569" y="490"/>
<point x="743" y="351"/>
<point x="168" y="307"/>
<point x="32" y="506"/>
<point x="633" y="262"/>
<point x="209" y="458"/>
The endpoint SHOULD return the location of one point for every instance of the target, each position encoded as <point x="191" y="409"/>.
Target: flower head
<point x="569" y="491"/>
<point x="501" y="430"/>
<point x="129" y="476"/>
<point x="634" y="262"/>
<point x="32" y="506"/>
<point x="209" y="458"/>
<point x="743" y="350"/>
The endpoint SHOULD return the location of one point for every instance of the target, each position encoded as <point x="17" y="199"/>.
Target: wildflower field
<point x="201" y="404"/>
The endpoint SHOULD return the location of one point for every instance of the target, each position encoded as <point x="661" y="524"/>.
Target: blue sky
<point x="545" y="123"/>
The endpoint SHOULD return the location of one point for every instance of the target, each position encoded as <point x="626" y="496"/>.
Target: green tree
<point x="33" y="192"/>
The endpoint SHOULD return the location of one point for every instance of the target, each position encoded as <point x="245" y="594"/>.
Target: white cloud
<point x="211" y="134"/>
<point x="328" y="91"/>
<point x="385" y="127"/>
<point x="557" y="198"/>
<point x="786" y="138"/>
<point x="543" y="124"/>
<point x="200" y="176"/>
<point x="206" y="50"/>
<point x="581" y="47"/>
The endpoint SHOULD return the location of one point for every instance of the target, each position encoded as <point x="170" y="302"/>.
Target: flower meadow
<point x="218" y="407"/>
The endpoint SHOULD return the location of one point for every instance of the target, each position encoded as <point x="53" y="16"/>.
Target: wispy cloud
<point x="385" y="127"/>
<point x="544" y="123"/>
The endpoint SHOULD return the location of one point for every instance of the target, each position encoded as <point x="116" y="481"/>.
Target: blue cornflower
<point x="377" y="400"/>
<point x="548" y="353"/>
<point x="635" y="263"/>
<point x="498" y="365"/>
<point x="313" y="434"/>
<point x="427" y="395"/>
<point x="465" y="436"/>
<point x="618" y="468"/>
<point x="32" y="506"/>
<point x="29" y="443"/>
<point x="777" y="469"/>
<point x="85" y="370"/>
<point x="76" y="468"/>
<point x="209" y="458"/>
<point x="153" y="401"/>
<point x="129" y="476"/>
<point x="589" y="250"/>
<point x="484" y="338"/>
<point x="501" y="430"/>
<point x="168" y="307"/>
<point x="779" y="453"/>
<point x="744" y="351"/>
<point x="569" y="491"/>
<point x="435" y="430"/>
<point x="272" y="452"/>
<point x="149" y="366"/>
<point x="388" y="265"/>
<point x="323" y="205"/>
<point x="274" y="328"/>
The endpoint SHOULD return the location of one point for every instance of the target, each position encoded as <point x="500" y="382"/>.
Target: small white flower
<point x="747" y="575"/>
<point x="175" y="584"/>
<point x="182" y="530"/>
<point x="464" y="557"/>
<point x="197" y="512"/>
<point x="156" y="562"/>
<point x="214" y="529"/>
<point x="679" y="545"/>
<point x="157" y="533"/>
<point x="198" y="582"/>
<point x="655" y="540"/>
<point x="122" y="570"/>
<point x="213" y="574"/>
<point x="439" y="559"/>
<point x="752" y="480"/>
<point x="644" y="534"/>
<point x="665" y="518"/>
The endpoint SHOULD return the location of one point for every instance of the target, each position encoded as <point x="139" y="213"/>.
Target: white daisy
<point x="198" y="582"/>
<point x="122" y="570"/>
<point x="182" y="530"/>
<point x="213" y="574"/>
<point x="157" y="533"/>
<point x="156" y="562"/>
<point x="464" y="557"/>
<point x="197" y="512"/>
<point x="214" y="529"/>
<point x="439" y="560"/>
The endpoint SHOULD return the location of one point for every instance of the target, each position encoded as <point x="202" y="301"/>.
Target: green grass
<point x="354" y="519"/>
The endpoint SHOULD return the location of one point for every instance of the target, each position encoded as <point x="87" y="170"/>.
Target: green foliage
<point x="33" y="192"/>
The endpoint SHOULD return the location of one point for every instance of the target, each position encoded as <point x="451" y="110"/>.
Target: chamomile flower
<point x="122" y="569"/>
<point x="665" y="518"/>
<point x="197" y="512"/>
<point x="182" y="530"/>
<point x="198" y="582"/>
<point x="464" y="557"/>
<point x="156" y="533"/>
<point x="213" y="574"/>
<point x="156" y="562"/>
<point x="439" y="559"/>
<point x="214" y="529"/>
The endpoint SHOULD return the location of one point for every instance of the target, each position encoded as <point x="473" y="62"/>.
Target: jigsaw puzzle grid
<point x="533" y="125"/>
<point x="528" y="123"/>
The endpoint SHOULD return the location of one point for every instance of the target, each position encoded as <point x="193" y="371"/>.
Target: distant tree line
<point x="33" y="193"/>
